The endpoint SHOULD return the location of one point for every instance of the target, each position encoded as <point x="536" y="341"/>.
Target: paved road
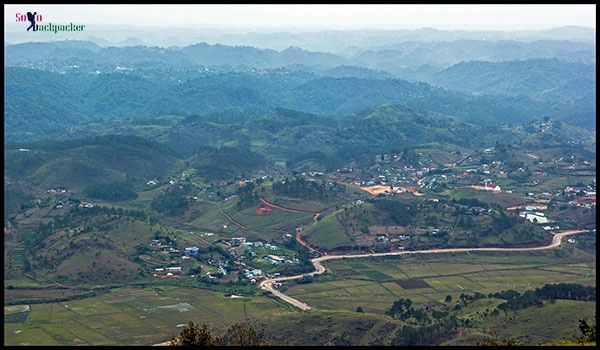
<point x="319" y="269"/>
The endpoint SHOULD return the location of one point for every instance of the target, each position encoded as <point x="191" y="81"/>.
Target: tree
<point x="192" y="335"/>
<point x="359" y="309"/>
<point x="244" y="335"/>
<point x="448" y="299"/>
<point x="236" y="335"/>
<point x="588" y="331"/>
<point x="497" y="339"/>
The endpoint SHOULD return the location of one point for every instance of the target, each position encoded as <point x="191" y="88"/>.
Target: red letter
<point x="38" y="18"/>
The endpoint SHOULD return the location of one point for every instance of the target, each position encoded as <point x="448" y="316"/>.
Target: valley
<point x="367" y="187"/>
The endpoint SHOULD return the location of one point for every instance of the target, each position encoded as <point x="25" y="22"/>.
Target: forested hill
<point x="288" y="135"/>
<point x="81" y="162"/>
<point x="536" y="77"/>
<point x="38" y="101"/>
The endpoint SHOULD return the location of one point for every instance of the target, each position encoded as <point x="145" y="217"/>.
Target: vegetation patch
<point x="19" y="317"/>
<point x="376" y="275"/>
<point x="346" y="272"/>
<point x="413" y="284"/>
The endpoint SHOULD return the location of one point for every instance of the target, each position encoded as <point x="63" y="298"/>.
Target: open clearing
<point x="378" y="189"/>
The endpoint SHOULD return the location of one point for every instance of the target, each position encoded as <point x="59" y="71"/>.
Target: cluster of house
<point x="192" y="250"/>
<point x="57" y="190"/>
<point x="221" y="262"/>
<point x="434" y="231"/>
<point x="490" y="186"/>
<point x="587" y="196"/>
<point x="569" y="163"/>
<point x="236" y="241"/>
<point x="176" y="183"/>
<point x="220" y="272"/>
<point x="384" y="238"/>
<point x="167" y="272"/>
<point x="536" y="217"/>
<point x="253" y="274"/>
<point x="258" y="244"/>
<point x="313" y="173"/>
<point x="585" y="202"/>
<point x="384" y="176"/>
<point x="86" y="205"/>
<point x="276" y="259"/>
<point x="165" y="248"/>
<point x="486" y="168"/>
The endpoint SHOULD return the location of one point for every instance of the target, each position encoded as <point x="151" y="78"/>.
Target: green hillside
<point x="78" y="163"/>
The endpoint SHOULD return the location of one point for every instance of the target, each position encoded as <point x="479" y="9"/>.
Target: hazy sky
<point x="388" y="16"/>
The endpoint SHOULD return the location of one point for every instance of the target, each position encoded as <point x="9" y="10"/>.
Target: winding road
<point x="319" y="269"/>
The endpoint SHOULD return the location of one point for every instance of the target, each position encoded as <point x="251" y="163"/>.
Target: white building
<point x="535" y="218"/>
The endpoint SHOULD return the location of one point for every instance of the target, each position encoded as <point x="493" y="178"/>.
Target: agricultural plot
<point x="431" y="279"/>
<point x="251" y="220"/>
<point x="346" y="272"/>
<point x="297" y="204"/>
<point x="376" y="275"/>
<point x="133" y="316"/>
<point x="413" y="284"/>
<point x="15" y="309"/>
<point x="453" y="284"/>
<point x="18" y="317"/>
<point x="417" y="269"/>
<point x="327" y="233"/>
<point x="212" y="219"/>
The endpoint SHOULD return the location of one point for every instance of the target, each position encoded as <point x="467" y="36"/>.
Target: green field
<point x="133" y="316"/>
<point x="327" y="233"/>
<point x="374" y="287"/>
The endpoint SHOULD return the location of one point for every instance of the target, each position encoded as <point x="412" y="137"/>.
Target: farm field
<point x="293" y="203"/>
<point x="253" y="221"/>
<point x="327" y="232"/>
<point x="375" y="283"/>
<point x="133" y="316"/>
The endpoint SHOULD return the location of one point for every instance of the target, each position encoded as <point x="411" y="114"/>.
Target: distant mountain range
<point x="480" y="81"/>
<point x="37" y="101"/>
<point x="333" y="41"/>
<point x="404" y="59"/>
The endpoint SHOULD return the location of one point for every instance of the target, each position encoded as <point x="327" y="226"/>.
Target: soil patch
<point x="412" y="284"/>
<point x="262" y="210"/>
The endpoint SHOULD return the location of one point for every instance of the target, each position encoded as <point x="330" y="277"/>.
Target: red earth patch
<point x="262" y="210"/>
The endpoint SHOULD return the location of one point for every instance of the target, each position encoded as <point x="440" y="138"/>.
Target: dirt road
<point x="273" y="206"/>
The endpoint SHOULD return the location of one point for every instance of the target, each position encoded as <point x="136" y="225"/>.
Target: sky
<point x="384" y="16"/>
